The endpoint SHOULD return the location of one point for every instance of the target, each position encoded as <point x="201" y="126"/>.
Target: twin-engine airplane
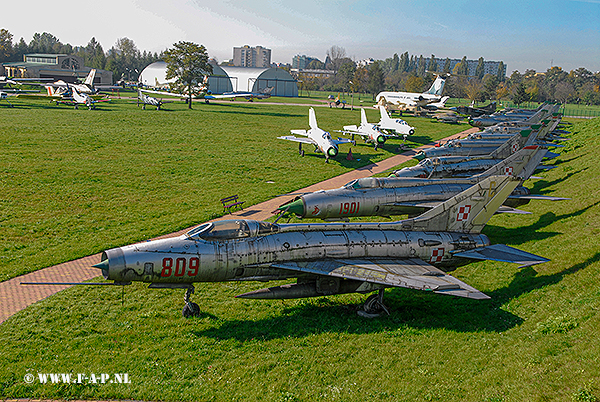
<point x="327" y="258"/>
<point x="321" y="139"/>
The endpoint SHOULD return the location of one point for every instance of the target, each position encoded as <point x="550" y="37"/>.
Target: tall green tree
<point x="446" y="69"/>
<point x="404" y="62"/>
<point x="520" y="95"/>
<point x="480" y="69"/>
<point x="433" y="66"/>
<point x="187" y="62"/>
<point x="501" y="73"/>
<point x="6" y="45"/>
<point x="376" y="79"/>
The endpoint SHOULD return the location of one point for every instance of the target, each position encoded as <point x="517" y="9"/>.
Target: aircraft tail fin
<point x="363" y="117"/>
<point x="384" y="114"/>
<point x="522" y="163"/>
<point x="90" y="77"/>
<point x="312" y="118"/>
<point x="50" y="90"/>
<point x="437" y="87"/>
<point x="469" y="211"/>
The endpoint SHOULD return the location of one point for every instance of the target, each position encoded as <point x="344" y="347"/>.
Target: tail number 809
<point x="179" y="268"/>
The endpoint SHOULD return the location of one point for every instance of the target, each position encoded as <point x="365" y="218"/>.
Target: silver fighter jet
<point x="321" y="139"/>
<point x="378" y="196"/>
<point x="328" y="258"/>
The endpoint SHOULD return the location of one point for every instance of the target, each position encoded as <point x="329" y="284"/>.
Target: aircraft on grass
<point x="207" y="96"/>
<point x="473" y="111"/>
<point x="86" y="87"/>
<point x="368" y="131"/>
<point x="432" y="95"/>
<point x="150" y="100"/>
<point x="397" y="125"/>
<point x="412" y="195"/>
<point x="321" y="139"/>
<point x="77" y="99"/>
<point x="327" y="258"/>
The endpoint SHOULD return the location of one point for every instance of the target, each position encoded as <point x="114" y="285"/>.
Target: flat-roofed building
<point x="247" y="56"/>
<point x="66" y="67"/>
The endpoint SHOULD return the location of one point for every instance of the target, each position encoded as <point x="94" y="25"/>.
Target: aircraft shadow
<point x="541" y="185"/>
<point x="408" y="309"/>
<point x="523" y="234"/>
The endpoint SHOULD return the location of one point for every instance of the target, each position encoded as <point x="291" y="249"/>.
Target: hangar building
<point x="228" y="79"/>
<point x="68" y="68"/>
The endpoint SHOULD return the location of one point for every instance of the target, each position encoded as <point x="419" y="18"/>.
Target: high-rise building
<point x="247" y="56"/>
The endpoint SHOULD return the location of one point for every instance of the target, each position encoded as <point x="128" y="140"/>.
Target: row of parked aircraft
<point x="372" y="133"/>
<point x="443" y="231"/>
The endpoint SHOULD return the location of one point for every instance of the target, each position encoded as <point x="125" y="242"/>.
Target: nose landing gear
<point x="190" y="309"/>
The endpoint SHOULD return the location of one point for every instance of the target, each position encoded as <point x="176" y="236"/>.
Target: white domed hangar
<point x="231" y="79"/>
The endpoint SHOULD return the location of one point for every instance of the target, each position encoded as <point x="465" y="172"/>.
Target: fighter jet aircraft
<point x="327" y="258"/>
<point x="150" y="100"/>
<point x="432" y="95"/>
<point x="395" y="125"/>
<point x="473" y="111"/>
<point x="516" y="117"/>
<point x="377" y="196"/>
<point x="369" y="132"/>
<point x="319" y="138"/>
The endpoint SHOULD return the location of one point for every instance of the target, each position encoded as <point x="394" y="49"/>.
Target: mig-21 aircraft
<point x="378" y="196"/>
<point x="368" y="131"/>
<point x="327" y="258"/>
<point x="398" y="126"/>
<point x="321" y="139"/>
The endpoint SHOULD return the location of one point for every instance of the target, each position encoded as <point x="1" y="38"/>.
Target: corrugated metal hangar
<point x="228" y="79"/>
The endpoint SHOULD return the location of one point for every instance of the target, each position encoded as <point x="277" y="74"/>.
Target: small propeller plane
<point x="321" y="139"/>
<point x="150" y="100"/>
<point x="397" y="125"/>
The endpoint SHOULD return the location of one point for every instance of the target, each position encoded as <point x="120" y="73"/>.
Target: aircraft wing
<point x="502" y="252"/>
<point x="39" y="96"/>
<point x="412" y="273"/>
<point x="165" y="93"/>
<point x="341" y="140"/>
<point x="292" y="138"/>
<point x="538" y="197"/>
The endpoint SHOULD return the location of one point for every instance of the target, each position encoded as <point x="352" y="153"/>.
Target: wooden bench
<point x="230" y="202"/>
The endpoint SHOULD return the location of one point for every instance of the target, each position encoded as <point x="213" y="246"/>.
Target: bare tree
<point x="336" y="55"/>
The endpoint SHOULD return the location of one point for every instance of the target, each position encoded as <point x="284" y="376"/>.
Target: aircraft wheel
<point x="302" y="153"/>
<point x="191" y="310"/>
<point x="375" y="147"/>
<point x="144" y="106"/>
<point x="76" y="107"/>
<point x="374" y="306"/>
<point x="326" y="160"/>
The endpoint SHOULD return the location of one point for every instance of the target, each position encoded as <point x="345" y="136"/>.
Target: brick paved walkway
<point x="15" y="297"/>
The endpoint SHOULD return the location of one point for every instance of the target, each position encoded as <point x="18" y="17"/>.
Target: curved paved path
<point x="15" y="297"/>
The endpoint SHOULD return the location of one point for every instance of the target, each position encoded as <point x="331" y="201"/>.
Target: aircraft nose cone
<point x="101" y="265"/>
<point x="295" y="207"/>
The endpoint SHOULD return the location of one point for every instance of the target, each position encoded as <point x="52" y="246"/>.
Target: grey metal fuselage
<point x="393" y="196"/>
<point x="447" y="168"/>
<point x="189" y="259"/>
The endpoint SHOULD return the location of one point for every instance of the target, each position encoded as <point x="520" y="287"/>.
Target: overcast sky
<point x="524" y="34"/>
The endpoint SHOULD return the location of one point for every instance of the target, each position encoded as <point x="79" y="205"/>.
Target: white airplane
<point x="397" y="125"/>
<point x="321" y="139"/>
<point x="412" y="99"/>
<point x="77" y="99"/>
<point x="150" y="100"/>
<point x="368" y="131"/>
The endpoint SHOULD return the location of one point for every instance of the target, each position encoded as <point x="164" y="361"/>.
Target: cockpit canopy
<point x="326" y="136"/>
<point x="365" y="182"/>
<point x="231" y="229"/>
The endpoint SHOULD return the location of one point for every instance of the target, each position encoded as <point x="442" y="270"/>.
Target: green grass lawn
<point x="76" y="182"/>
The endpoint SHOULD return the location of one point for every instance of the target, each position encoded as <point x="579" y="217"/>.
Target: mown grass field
<point x="76" y="181"/>
<point x="535" y="340"/>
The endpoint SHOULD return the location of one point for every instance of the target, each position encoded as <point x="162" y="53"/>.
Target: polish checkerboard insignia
<point x="463" y="213"/>
<point x="437" y="254"/>
<point x="515" y="148"/>
<point x="508" y="171"/>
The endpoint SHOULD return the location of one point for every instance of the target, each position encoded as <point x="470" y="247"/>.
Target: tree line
<point x="124" y="59"/>
<point x="416" y="74"/>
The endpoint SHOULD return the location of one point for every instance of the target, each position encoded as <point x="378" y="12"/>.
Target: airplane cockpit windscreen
<point x="366" y="182"/>
<point x="231" y="229"/>
<point x="326" y="136"/>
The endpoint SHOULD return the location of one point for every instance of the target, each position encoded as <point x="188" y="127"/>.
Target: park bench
<point x="230" y="202"/>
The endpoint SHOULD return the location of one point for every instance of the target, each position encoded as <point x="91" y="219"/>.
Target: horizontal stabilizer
<point x="539" y="197"/>
<point x="351" y="128"/>
<point x="299" y="132"/>
<point x="504" y="253"/>
<point x="551" y="155"/>
<point x="296" y="139"/>
<point x="509" y="210"/>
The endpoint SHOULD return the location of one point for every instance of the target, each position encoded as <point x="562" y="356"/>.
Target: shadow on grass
<point x="541" y="185"/>
<point x="409" y="310"/>
<point x="523" y="234"/>
<point x="237" y="109"/>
